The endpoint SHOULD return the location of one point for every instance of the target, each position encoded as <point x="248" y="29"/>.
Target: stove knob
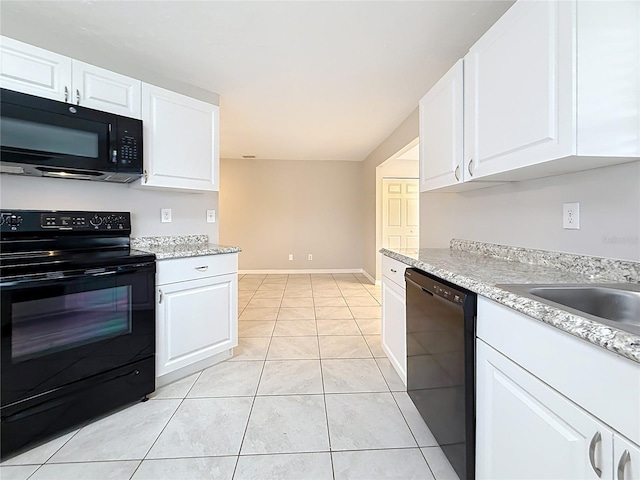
<point x="13" y="221"/>
<point x="95" y="220"/>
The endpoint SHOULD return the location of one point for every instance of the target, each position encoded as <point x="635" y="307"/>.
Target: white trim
<point x="369" y="277"/>
<point x="317" y="270"/>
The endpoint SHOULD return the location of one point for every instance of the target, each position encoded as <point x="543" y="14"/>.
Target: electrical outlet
<point x="310" y="256"/>
<point x="571" y="216"/>
<point x="211" y="216"/>
<point x="290" y="256"/>
<point x="165" y="215"/>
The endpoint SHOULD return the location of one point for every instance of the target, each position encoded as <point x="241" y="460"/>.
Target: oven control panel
<point x="32" y="221"/>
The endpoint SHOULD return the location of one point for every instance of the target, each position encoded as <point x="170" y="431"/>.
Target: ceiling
<point x="323" y="80"/>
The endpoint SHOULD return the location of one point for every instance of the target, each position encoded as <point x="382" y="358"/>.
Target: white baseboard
<point x="369" y="277"/>
<point x="311" y="270"/>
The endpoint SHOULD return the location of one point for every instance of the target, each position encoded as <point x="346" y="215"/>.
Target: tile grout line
<point x="253" y="402"/>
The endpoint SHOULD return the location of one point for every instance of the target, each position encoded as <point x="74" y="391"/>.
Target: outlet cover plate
<point x="571" y="216"/>
<point x="165" y="215"/>
<point x="211" y="216"/>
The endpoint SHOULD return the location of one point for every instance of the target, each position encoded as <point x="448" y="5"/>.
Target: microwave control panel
<point x="129" y="147"/>
<point x="128" y="150"/>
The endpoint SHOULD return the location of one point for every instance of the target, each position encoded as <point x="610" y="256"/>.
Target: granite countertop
<point x="181" y="246"/>
<point x="480" y="267"/>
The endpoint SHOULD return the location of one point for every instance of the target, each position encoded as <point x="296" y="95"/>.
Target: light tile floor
<point x="309" y="394"/>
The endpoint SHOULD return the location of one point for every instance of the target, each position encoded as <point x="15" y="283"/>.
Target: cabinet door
<point x="97" y="88"/>
<point x="196" y="320"/>
<point x="519" y="91"/>
<point x="28" y="69"/>
<point x="394" y="341"/>
<point x="181" y="141"/>
<point x="626" y="458"/>
<point x="441" y="129"/>
<point x="525" y="429"/>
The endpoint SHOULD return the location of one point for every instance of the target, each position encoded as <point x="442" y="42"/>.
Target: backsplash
<point x="188" y="209"/>
<point x="165" y="241"/>
<point x="595" y="267"/>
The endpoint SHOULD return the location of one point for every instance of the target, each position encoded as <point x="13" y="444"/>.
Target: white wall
<point x="529" y="214"/>
<point x="272" y="208"/>
<point x="188" y="210"/>
<point x="403" y="135"/>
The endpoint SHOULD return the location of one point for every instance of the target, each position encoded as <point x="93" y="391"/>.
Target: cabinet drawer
<point x="193" y="268"/>
<point x="394" y="270"/>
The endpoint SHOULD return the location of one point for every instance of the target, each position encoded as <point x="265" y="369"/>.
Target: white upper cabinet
<point x="441" y="130"/>
<point x="553" y="81"/>
<point x="28" y="69"/>
<point x="97" y="88"/>
<point x="180" y="141"/>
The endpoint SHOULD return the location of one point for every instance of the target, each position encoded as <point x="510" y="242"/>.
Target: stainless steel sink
<point x="617" y="305"/>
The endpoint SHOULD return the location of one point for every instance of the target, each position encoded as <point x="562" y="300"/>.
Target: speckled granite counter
<point x="180" y="246"/>
<point x="480" y="267"/>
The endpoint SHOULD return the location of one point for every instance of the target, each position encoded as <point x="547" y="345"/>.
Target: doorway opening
<point x="397" y="202"/>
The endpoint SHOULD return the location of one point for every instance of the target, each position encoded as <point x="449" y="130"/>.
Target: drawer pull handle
<point x="597" y="438"/>
<point x="203" y="268"/>
<point x="160" y="296"/>
<point x="457" y="173"/>
<point x="469" y="167"/>
<point x="624" y="459"/>
<point x="393" y="271"/>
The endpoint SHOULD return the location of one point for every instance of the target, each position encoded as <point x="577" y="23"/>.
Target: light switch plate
<point x="165" y="215"/>
<point x="211" y="216"/>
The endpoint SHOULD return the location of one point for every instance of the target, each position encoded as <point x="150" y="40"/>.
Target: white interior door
<point x="400" y="213"/>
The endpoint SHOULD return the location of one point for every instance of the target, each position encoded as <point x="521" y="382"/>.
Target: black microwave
<point x="45" y="137"/>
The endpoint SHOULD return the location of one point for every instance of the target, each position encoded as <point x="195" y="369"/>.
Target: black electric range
<point x="78" y="321"/>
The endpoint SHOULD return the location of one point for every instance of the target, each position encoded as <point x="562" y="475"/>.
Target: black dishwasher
<point x="441" y="319"/>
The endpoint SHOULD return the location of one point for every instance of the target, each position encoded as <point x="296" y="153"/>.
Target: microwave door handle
<point x="113" y="148"/>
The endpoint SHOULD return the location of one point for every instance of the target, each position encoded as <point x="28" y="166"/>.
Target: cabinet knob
<point x="597" y="438"/>
<point x="457" y="173"/>
<point x="469" y="167"/>
<point x="622" y="464"/>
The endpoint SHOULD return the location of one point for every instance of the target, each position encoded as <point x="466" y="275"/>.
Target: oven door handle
<point x="76" y="274"/>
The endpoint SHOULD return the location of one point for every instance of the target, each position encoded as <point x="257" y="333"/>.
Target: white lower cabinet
<point x="394" y="308"/>
<point x="626" y="458"/>
<point x="197" y="318"/>
<point x="525" y="429"/>
<point x="549" y="405"/>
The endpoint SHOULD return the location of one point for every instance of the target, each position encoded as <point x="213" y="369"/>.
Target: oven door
<point x="55" y="136"/>
<point x="72" y="325"/>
